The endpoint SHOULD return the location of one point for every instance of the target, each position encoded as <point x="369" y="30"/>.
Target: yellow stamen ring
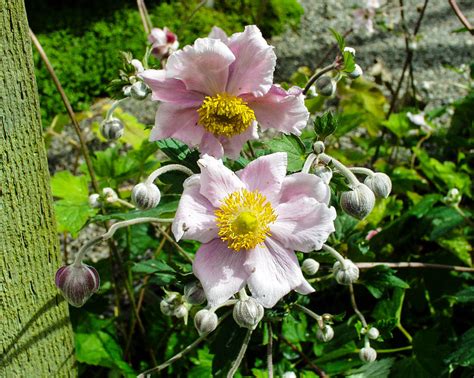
<point x="244" y="219"/>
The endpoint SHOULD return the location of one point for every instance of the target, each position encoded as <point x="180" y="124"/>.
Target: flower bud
<point x="111" y="129"/>
<point x="359" y="202"/>
<point x="350" y="50"/>
<point x="110" y="195"/>
<point x="310" y="267"/>
<point x="368" y="354"/>
<point x="77" y="283"/>
<point x="346" y="273"/>
<point x="137" y="65"/>
<point x="205" y="321"/>
<point x="94" y="201"/>
<point x="289" y="374"/>
<point x="356" y="73"/>
<point x="248" y="313"/>
<point x="166" y="308"/>
<point x="180" y="311"/>
<point x="139" y="90"/>
<point x="325" y="86"/>
<point x="373" y="333"/>
<point x="323" y="172"/>
<point x="380" y="184"/>
<point x="453" y="198"/>
<point x="194" y="294"/>
<point x="325" y="334"/>
<point x="146" y="196"/>
<point x="318" y="147"/>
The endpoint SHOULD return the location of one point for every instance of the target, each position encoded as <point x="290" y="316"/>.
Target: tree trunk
<point x="36" y="338"/>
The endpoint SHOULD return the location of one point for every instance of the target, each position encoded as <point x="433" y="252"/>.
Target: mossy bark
<point x="36" y="338"/>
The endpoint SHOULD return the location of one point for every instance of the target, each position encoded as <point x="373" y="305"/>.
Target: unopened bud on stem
<point x="346" y="273"/>
<point x="368" y="354"/>
<point x="77" y="283"/>
<point x="310" y="267"/>
<point x="194" y="294"/>
<point x="325" y="334"/>
<point x="380" y="184"/>
<point x="111" y="129"/>
<point x="146" y="196"/>
<point x="248" y="313"/>
<point x="325" y="86"/>
<point x="205" y="321"/>
<point x="359" y="202"/>
<point x="373" y="333"/>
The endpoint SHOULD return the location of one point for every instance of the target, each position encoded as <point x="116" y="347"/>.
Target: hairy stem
<point x="354" y="306"/>
<point x="461" y="16"/>
<point x="415" y="265"/>
<point x="335" y="254"/>
<point x="316" y="76"/>
<point x="167" y="168"/>
<point x="240" y="356"/>
<point x="326" y="159"/>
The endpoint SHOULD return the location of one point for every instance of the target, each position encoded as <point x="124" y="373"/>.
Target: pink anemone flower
<point x="163" y="42"/>
<point x="250" y="223"/>
<point x="214" y="92"/>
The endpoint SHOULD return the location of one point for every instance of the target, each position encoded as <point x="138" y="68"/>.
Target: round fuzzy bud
<point x="146" y="196"/>
<point x="289" y="374"/>
<point x="111" y="129"/>
<point x="110" y="195"/>
<point x="248" y="313"/>
<point x="94" y="201"/>
<point x="325" y="334"/>
<point x="350" y="50"/>
<point x="139" y="90"/>
<point x="166" y="308"/>
<point x="325" y="86"/>
<point x="310" y="267"/>
<point x="77" y="283"/>
<point x="323" y="172"/>
<point x="373" y="333"/>
<point x="380" y="184"/>
<point x="356" y="73"/>
<point x="180" y="311"/>
<point x="453" y="198"/>
<point x="194" y="294"/>
<point x="318" y="147"/>
<point x="368" y="354"/>
<point x="205" y="321"/>
<point x="346" y="273"/>
<point x="359" y="202"/>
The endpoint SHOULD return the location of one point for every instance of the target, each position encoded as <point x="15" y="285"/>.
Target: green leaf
<point x="398" y="124"/>
<point x="430" y="350"/>
<point x="72" y="216"/>
<point x="178" y="152"/>
<point x="390" y="308"/>
<point x="464" y="353"/>
<point x="380" y="278"/>
<point x="349" y="62"/>
<point x="100" y="349"/>
<point x="325" y="125"/>
<point x="294" y="148"/>
<point x="67" y="186"/>
<point x="339" y="38"/>
<point x="295" y="328"/>
<point x="459" y="247"/>
<point x="376" y="369"/>
<point x="152" y="266"/>
<point x="409" y="368"/>
<point x="465" y="295"/>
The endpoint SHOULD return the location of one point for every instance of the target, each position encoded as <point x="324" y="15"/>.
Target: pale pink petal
<point x="217" y="181"/>
<point x="210" y="145"/>
<point x="266" y="174"/>
<point x="304" y="224"/>
<point x="280" y="110"/>
<point x="274" y="272"/>
<point x="220" y="271"/>
<point x="194" y="219"/>
<point x="170" y="90"/>
<point x="252" y="71"/>
<point x="304" y="185"/>
<point x="203" y="67"/>
<point x="175" y="121"/>
<point x="218" y="33"/>
<point x="233" y="146"/>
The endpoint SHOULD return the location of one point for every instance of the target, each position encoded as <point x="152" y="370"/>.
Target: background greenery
<point x="83" y="38"/>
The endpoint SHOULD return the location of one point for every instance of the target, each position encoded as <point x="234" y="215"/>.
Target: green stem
<point x="240" y="356"/>
<point x="394" y="350"/>
<point x="405" y="332"/>
<point x="326" y="159"/>
<point x="316" y="76"/>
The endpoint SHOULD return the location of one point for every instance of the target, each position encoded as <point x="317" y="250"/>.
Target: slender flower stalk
<point x="362" y="171"/>
<point x="326" y="159"/>
<point x="335" y="254"/>
<point x="116" y="226"/>
<point x="317" y="75"/>
<point x="308" y="163"/>
<point x="167" y="168"/>
<point x="240" y="356"/>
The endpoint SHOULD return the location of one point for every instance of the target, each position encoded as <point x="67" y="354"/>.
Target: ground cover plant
<point x="319" y="226"/>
